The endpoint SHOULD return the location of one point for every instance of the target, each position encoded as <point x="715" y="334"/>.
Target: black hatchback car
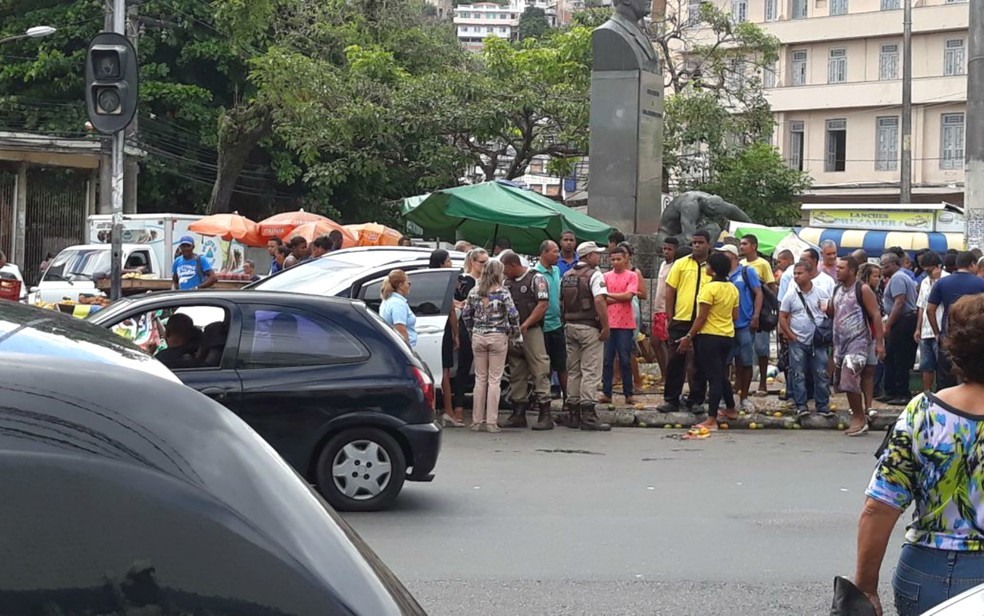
<point x="125" y="493"/>
<point x="325" y="381"/>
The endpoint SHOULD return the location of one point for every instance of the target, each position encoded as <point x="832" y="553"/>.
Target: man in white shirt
<point x="8" y="270"/>
<point x="931" y="263"/>
<point x="819" y="279"/>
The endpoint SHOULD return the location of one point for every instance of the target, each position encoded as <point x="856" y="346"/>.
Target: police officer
<point x="528" y="361"/>
<point x="585" y="308"/>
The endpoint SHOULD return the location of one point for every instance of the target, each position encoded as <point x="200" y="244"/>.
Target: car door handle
<point x="429" y="329"/>
<point x="215" y="392"/>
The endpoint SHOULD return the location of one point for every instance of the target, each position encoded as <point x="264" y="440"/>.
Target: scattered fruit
<point x="782" y="392"/>
<point x="841" y="427"/>
<point x="639" y="406"/>
<point x="777" y="414"/>
<point x="753" y="426"/>
<point x="667" y="426"/>
<point x="796" y="426"/>
<point x="833" y="407"/>
<point x="678" y="426"/>
<point x="723" y="426"/>
<point x="770" y="380"/>
<point x="643" y="424"/>
<point x="611" y="407"/>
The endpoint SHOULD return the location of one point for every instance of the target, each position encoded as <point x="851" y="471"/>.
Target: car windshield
<point x="321" y="276"/>
<point x="79" y="264"/>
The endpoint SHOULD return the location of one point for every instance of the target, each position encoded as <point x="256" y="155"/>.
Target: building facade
<point x="476" y="22"/>
<point x="836" y="92"/>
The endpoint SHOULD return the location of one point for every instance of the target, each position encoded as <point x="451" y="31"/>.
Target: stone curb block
<point x="628" y="418"/>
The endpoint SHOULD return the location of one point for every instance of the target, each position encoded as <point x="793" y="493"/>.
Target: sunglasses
<point x="482" y="262"/>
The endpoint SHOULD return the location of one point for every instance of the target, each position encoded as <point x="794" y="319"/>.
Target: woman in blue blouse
<point x="395" y="309"/>
<point x="935" y="459"/>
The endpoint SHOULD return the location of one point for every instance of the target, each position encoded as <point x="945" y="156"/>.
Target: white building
<point x="476" y="22"/>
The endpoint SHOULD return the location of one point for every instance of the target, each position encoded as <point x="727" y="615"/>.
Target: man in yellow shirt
<point x="683" y="285"/>
<point x="749" y="249"/>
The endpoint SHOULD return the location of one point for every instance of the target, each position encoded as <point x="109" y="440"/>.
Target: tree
<point x="533" y="23"/>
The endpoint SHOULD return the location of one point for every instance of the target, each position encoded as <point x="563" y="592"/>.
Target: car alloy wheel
<point x="362" y="469"/>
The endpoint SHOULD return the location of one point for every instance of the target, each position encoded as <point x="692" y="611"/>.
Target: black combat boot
<point x="544" y="421"/>
<point x="572" y="415"/>
<point x="518" y="417"/>
<point x="589" y="419"/>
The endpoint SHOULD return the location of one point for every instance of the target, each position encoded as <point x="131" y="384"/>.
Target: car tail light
<point x="426" y="385"/>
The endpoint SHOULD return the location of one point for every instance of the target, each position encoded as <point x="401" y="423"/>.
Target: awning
<point x="875" y="242"/>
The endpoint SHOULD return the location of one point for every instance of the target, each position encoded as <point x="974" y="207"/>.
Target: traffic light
<point x="111" y="82"/>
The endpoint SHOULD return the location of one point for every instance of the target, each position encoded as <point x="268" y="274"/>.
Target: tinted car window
<point x="277" y="337"/>
<point x="428" y="292"/>
<point x="146" y="330"/>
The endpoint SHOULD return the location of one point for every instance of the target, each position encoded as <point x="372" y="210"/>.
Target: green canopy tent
<point x="768" y="237"/>
<point x="480" y="213"/>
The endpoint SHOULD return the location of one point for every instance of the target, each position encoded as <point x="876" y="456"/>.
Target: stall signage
<point x="877" y="220"/>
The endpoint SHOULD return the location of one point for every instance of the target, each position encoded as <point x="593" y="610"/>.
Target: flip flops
<point x="860" y="431"/>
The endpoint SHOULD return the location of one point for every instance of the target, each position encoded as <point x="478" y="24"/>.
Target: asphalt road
<point x="631" y="522"/>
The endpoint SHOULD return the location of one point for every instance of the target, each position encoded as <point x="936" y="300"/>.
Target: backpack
<point x="769" y="314"/>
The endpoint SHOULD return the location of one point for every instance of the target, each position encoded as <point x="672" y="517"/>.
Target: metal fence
<point x="56" y="213"/>
<point x="8" y="182"/>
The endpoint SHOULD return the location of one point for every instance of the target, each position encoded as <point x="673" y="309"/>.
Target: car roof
<point x="70" y="413"/>
<point x="31" y="331"/>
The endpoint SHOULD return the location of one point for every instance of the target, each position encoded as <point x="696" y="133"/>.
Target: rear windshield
<point x="325" y="276"/>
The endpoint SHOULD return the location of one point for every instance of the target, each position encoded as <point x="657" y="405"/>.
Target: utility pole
<point x="119" y="140"/>
<point x="974" y="174"/>
<point x="905" y="168"/>
<point x="131" y="168"/>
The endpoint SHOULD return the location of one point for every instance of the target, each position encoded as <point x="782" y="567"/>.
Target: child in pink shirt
<point x="623" y="285"/>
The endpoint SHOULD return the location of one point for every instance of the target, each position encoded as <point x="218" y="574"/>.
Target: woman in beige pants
<point x="492" y="321"/>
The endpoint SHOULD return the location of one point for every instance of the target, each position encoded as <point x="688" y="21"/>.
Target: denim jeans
<point x="619" y="343"/>
<point x="926" y="577"/>
<point x="802" y="359"/>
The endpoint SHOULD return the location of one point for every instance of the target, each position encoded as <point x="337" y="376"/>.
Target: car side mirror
<point x="33" y="289"/>
<point x="428" y="309"/>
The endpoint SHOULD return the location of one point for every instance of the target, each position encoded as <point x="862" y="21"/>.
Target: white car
<point x="359" y="273"/>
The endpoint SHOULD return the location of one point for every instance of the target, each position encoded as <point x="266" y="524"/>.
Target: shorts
<point x="762" y="344"/>
<point x="556" y="343"/>
<point x="927" y="355"/>
<point x="743" y="348"/>
<point x="660" y="322"/>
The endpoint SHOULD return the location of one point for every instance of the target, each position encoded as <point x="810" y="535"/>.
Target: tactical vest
<point x="524" y="295"/>
<point x="576" y="298"/>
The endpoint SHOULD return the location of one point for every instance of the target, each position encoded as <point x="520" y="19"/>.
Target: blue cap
<point x="186" y="239"/>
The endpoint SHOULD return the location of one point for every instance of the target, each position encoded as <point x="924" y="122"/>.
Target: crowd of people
<point x="843" y="324"/>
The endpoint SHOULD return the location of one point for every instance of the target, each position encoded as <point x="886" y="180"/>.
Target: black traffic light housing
<point x="111" y="82"/>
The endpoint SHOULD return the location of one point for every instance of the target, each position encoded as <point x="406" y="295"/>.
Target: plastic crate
<point x="10" y="289"/>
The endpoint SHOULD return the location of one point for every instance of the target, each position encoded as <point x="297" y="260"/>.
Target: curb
<point x="881" y="421"/>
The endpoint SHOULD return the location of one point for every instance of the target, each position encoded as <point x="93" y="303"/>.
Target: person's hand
<point x="880" y="350"/>
<point x="457" y="342"/>
<point x="522" y="329"/>
<point x="684" y="344"/>
<point x="754" y="325"/>
<point x="875" y="601"/>
<point x="917" y="336"/>
<point x="888" y="329"/>
<point x="603" y="335"/>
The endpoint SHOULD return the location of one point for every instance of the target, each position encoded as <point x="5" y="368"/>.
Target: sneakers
<point x="825" y="412"/>
<point x="802" y="412"/>
<point x="669" y="407"/>
<point x="476" y="427"/>
<point x="747" y="406"/>
<point x="493" y="428"/>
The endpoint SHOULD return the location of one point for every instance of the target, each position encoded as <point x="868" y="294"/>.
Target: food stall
<point x="875" y="227"/>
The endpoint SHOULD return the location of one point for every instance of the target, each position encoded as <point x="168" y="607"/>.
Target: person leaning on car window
<point x="933" y="458"/>
<point x="395" y="309"/>
<point x="189" y="270"/>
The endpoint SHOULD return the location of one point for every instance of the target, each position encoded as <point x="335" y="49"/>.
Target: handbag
<point x="823" y="334"/>
<point x="849" y="600"/>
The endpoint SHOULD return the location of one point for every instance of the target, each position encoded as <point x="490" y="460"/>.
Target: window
<point x="797" y="68"/>
<point x="769" y="76"/>
<point x="888" y="62"/>
<point x="771" y="10"/>
<point x="503" y="29"/>
<point x="280" y="337"/>
<point x="838" y="7"/>
<point x="203" y="350"/>
<point x="796" y="143"/>
<point x="954" y="1"/>
<point x="837" y="66"/>
<point x="693" y="12"/>
<point x="953" y="58"/>
<point x="430" y="293"/>
<point x="836" y="146"/>
<point x="890" y="5"/>
<point x="799" y="9"/>
<point x="887" y="143"/>
<point x="739" y="11"/>
<point x="952" y="141"/>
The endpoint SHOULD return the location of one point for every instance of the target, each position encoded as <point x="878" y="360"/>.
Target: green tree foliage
<point x="533" y="23"/>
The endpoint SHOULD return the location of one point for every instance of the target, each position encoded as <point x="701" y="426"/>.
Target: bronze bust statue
<point x="621" y="43"/>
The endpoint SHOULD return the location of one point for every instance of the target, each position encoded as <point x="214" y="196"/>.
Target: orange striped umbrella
<point x="229" y="227"/>
<point x="312" y="230"/>
<point x="375" y="234"/>
<point x="282" y="224"/>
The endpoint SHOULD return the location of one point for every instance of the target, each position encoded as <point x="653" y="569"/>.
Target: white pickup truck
<point x="74" y="270"/>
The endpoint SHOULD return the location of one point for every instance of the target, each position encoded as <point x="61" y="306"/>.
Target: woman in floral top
<point x="934" y="458"/>
<point x="492" y="321"/>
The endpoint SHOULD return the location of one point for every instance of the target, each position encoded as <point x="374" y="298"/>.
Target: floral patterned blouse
<point x="496" y="316"/>
<point x="935" y="457"/>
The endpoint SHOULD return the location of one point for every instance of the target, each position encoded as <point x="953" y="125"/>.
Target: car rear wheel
<point x="361" y="470"/>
